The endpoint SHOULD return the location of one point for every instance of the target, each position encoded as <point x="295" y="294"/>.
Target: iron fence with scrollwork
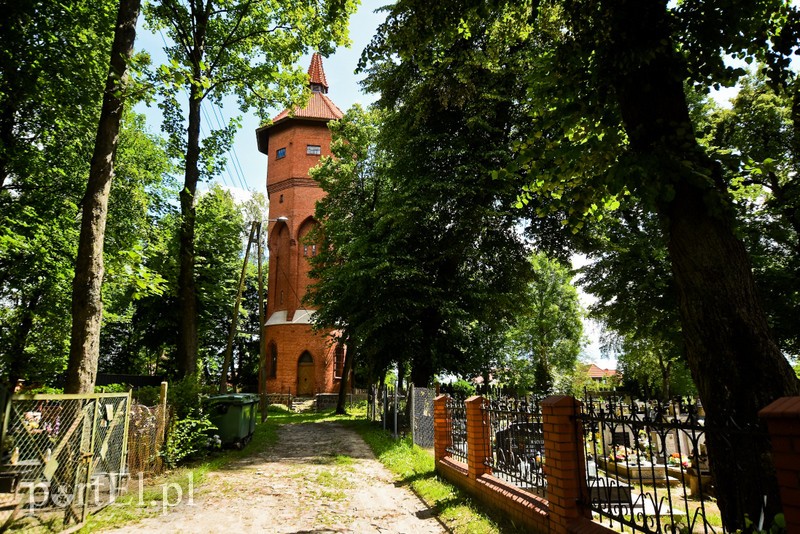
<point x="647" y="465"/>
<point x="517" y="442"/>
<point x="456" y="425"/>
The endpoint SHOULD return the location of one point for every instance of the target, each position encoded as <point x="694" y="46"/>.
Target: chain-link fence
<point x="63" y="456"/>
<point x="422" y="416"/>
<point x="148" y="429"/>
<point x="387" y="406"/>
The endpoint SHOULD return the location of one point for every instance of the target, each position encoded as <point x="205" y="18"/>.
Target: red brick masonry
<point x="783" y="422"/>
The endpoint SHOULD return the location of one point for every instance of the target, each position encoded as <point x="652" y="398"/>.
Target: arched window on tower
<point x="273" y="360"/>
<point x="338" y="361"/>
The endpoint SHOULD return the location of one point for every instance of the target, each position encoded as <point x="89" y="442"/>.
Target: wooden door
<point x="305" y="375"/>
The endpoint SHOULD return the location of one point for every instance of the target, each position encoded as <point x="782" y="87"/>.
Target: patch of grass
<point x="333" y="459"/>
<point x="332" y="479"/>
<point x="333" y="495"/>
<point x="415" y="467"/>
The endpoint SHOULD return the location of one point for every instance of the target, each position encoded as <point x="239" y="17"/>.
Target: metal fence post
<point x="396" y="393"/>
<point x="413" y="417"/>
<point x="123" y="463"/>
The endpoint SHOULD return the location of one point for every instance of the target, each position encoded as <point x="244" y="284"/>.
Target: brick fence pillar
<point x="783" y="422"/>
<point x="442" y="438"/>
<point x="565" y="465"/>
<point x="479" y="446"/>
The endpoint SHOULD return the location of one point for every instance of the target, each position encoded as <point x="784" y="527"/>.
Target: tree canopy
<point x="604" y="115"/>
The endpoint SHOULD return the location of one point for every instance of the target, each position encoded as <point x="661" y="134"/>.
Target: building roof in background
<point x="596" y="372"/>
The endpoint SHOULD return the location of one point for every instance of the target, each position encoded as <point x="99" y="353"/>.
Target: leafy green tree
<point x="450" y="227"/>
<point x="757" y="140"/>
<point x="52" y="60"/>
<point x="547" y="336"/>
<point x="223" y="47"/>
<point x="138" y="255"/>
<point x="608" y="117"/>
<point x="417" y="225"/>
<point x="220" y="227"/>
<point x="349" y="258"/>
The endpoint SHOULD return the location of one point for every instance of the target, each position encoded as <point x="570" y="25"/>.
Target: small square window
<point x="281" y="153"/>
<point x="313" y="150"/>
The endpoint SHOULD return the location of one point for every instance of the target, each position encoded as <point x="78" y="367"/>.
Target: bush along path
<point x="315" y="477"/>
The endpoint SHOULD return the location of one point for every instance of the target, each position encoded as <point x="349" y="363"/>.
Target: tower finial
<point x="316" y="75"/>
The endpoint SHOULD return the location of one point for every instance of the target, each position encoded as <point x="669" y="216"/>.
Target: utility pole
<point x="226" y="365"/>
<point x="262" y="343"/>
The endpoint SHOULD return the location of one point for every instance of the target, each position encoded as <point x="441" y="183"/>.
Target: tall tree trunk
<point x="349" y="357"/>
<point x="187" y="293"/>
<point x="737" y="367"/>
<point x="87" y="304"/>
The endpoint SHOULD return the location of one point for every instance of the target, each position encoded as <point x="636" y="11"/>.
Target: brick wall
<point x="293" y="195"/>
<point x="292" y="340"/>
<point x="783" y="422"/>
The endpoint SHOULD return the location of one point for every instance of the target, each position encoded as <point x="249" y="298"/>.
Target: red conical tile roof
<point x="319" y="107"/>
<point x="316" y="73"/>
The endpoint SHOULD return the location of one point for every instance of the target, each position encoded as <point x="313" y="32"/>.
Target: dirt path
<point x="319" y="477"/>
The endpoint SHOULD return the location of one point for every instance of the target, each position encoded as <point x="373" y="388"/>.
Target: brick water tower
<point x="299" y="361"/>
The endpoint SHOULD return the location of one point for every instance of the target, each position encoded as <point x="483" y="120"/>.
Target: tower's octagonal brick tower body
<point x="299" y="361"/>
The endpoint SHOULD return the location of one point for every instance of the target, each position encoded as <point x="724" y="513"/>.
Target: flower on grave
<point x="644" y="442"/>
<point x="677" y="459"/>
<point x="619" y="454"/>
<point x="630" y="456"/>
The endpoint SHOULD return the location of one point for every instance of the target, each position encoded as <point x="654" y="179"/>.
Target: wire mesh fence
<point x="422" y="416"/>
<point x="389" y="407"/>
<point x="146" y="437"/>
<point x="63" y="456"/>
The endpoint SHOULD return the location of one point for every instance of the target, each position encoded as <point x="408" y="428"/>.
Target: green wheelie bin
<point x="234" y="415"/>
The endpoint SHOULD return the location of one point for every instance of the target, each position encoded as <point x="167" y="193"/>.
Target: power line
<point x="220" y="125"/>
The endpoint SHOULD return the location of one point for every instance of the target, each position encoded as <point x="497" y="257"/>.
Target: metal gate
<point x="422" y="416"/>
<point x="64" y="456"/>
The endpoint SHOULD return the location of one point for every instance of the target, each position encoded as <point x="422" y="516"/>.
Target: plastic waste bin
<point x="234" y="415"/>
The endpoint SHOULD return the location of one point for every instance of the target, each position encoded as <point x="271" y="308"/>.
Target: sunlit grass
<point x="415" y="467"/>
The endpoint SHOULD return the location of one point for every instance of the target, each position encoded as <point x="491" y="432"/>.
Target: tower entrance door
<point x="305" y="374"/>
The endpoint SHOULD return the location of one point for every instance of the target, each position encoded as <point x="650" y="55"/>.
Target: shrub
<point x="112" y="388"/>
<point x="189" y="438"/>
<point x="148" y="395"/>
<point x="462" y="388"/>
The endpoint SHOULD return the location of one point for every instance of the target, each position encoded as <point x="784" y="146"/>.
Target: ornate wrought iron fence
<point x="65" y="454"/>
<point x="647" y="466"/>
<point x="517" y="437"/>
<point x="456" y="415"/>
